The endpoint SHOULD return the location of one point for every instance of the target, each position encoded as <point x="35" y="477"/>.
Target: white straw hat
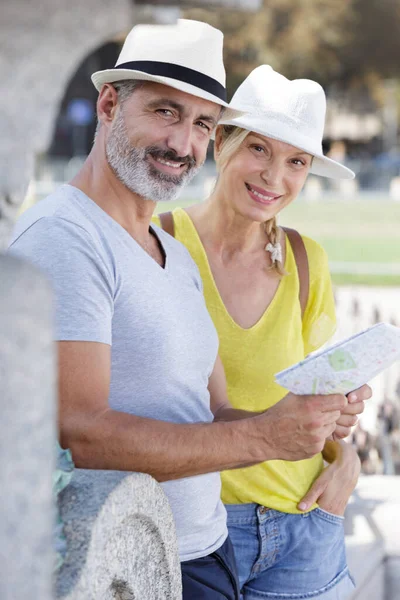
<point x="288" y="111"/>
<point x="186" y="56"/>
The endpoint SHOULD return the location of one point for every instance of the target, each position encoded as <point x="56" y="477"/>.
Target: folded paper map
<point x="345" y="366"/>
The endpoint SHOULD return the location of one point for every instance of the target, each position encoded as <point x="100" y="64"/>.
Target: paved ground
<point x="372" y="528"/>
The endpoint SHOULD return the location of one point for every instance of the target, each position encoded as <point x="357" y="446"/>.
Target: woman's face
<point x="263" y="177"/>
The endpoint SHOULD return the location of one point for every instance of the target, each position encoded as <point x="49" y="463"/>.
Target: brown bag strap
<point x="167" y="223"/>
<point x="301" y="258"/>
<point x="298" y="247"/>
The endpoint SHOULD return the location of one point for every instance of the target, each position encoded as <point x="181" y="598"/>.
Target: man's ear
<point x="217" y="141"/>
<point x="107" y="104"/>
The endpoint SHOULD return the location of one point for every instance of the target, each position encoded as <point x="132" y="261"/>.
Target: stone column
<point x="27" y="432"/>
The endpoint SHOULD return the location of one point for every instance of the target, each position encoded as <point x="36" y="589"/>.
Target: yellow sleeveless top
<point x="252" y="356"/>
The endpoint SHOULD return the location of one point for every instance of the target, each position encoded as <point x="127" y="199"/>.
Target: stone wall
<point x="41" y="45"/>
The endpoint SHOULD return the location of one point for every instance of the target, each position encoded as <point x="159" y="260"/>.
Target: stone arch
<point x="67" y="138"/>
<point x="41" y="48"/>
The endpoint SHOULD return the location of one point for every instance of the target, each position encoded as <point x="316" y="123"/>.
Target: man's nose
<point x="180" y="139"/>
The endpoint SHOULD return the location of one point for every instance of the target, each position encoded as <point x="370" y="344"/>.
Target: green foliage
<point x="342" y="42"/>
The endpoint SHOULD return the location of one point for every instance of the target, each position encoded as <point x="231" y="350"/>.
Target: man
<point x="137" y="349"/>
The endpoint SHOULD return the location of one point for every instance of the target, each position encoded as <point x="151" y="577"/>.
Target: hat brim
<point x="113" y="75"/>
<point x="321" y="165"/>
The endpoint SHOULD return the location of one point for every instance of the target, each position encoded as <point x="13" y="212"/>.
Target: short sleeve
<point x="81" y="281"/>
<point x="319" y="322"/>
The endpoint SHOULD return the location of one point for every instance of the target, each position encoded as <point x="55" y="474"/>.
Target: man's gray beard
<point x="132" y="168"/>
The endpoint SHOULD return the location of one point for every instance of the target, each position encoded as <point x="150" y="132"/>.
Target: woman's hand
<point x="355" y="407"/>
<point x="333" y="488"/>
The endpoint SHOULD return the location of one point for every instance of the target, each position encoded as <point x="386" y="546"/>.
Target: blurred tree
<point x="374" y="46"/>
<point x="343" y="44"/>
<point x="299" y="39"/>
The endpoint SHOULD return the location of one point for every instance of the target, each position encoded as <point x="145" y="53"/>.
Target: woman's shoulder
<point x="313" y="248"/>
<point x="316" y="253"/>
<point x="317" y="259"/>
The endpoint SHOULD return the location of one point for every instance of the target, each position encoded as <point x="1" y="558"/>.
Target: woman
<point x="251" y="286"/>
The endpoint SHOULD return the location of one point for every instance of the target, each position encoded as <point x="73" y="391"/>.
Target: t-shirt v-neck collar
<point x="89" y="205"/>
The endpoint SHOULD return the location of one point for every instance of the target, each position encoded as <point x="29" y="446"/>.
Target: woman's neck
<point x="223" y="231"/>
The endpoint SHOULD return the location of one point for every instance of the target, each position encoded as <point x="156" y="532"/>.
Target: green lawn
<point x="364" y="231"/>
<point x="359" y="232"/>
<point x="353" y="232"/>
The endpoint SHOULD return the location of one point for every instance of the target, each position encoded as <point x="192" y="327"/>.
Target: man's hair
<point x="124" y="89"/>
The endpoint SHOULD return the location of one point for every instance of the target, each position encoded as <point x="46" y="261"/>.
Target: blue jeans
<point x="212" y="577"/>
<point x="282" y="556"/>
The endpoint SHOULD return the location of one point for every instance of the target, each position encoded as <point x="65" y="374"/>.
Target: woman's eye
<point x="258" y="148"/>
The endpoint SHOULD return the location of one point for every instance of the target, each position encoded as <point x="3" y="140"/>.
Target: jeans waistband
<point x="252" y="510"/>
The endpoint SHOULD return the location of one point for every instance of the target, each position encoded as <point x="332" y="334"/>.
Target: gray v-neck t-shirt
<point x="164" y="344"/>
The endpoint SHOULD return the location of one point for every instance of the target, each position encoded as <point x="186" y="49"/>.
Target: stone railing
<point x="27" y="432"/>
<point x="120" y="538"/>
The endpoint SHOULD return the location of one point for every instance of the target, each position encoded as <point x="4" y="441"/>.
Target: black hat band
<point x="162" y="69"/>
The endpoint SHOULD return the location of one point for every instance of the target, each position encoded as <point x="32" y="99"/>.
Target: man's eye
<point x="203" y="125"/>
<point x="298" y="161"/>
<point x="165" y="111"/>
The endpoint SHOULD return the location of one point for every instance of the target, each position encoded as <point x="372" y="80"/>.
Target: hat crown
<point x="185" y="56"/>
<point x="289" y="111"/>
<point x="191" y="44"/>
<point x="299" y="104"/>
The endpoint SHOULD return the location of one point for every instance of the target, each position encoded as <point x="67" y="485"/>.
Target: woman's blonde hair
<point x="231" y="139"/>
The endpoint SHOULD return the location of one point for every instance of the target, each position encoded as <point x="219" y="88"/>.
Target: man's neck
<point x="97" y="180"/>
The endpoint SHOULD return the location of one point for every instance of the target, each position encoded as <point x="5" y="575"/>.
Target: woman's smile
<point x="261" y="196"/>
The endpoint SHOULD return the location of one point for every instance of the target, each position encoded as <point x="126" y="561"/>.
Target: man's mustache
<point x="170" y="155"/>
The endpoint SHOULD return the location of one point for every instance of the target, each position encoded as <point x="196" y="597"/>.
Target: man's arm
<point x="102" y="438"/>
<point x="332" y="489"/>
<point x="223" y="410"/>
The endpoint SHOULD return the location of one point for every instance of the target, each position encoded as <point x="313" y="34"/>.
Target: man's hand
<point x="334" y="486"/>
<point x="296" y="427"/>
<point x="348" y="417"/>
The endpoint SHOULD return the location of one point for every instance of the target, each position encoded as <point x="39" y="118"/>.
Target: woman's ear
<point x="217" y="141"/>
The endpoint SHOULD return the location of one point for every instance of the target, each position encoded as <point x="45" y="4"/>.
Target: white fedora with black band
<point x="288" y="111"/>
<point x="186" y="56"/>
